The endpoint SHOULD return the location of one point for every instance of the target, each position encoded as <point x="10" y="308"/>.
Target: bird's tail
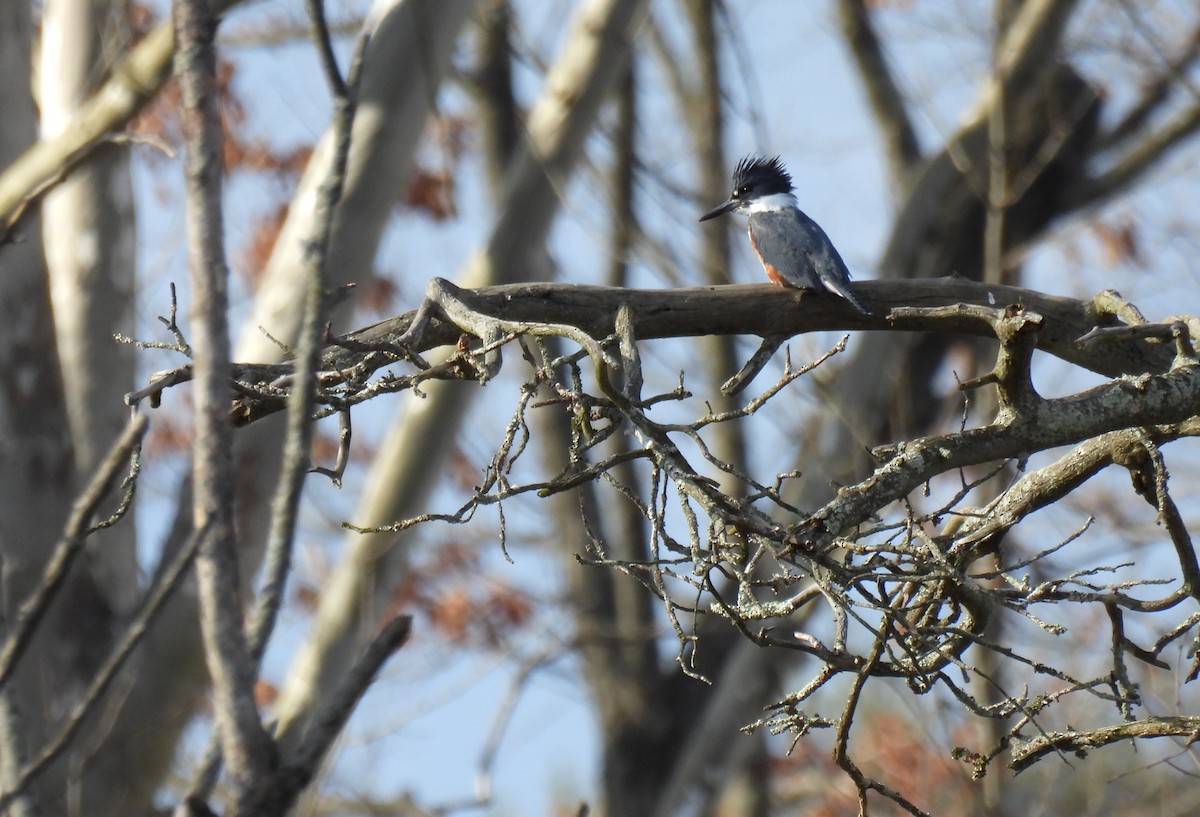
<point x="842" y="289"/>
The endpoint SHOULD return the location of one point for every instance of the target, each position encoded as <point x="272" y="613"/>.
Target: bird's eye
<point x="741" y="191"/>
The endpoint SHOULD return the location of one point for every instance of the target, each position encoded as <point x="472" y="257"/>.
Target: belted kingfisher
<point x="793" y="248"/>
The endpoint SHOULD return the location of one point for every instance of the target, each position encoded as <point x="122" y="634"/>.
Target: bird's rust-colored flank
<point x="772" y="272"/>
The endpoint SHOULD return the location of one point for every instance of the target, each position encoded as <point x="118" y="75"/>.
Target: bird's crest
<point x="761" y="175"/>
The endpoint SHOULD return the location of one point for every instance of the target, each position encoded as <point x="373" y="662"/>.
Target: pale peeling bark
<point x="88" y="233"/>
<point x="87" y="226"/>
<point x="589" y="67"/>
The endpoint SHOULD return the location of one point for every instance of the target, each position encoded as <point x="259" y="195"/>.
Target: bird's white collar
<point x="771" y="204"/>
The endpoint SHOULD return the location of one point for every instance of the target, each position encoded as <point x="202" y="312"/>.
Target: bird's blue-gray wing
<point x="801" y="253"/>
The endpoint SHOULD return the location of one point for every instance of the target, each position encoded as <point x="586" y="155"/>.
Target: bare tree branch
<point x="134" y="81"/>
<point x="166" y="584"/>
<point x="900" y="143"/>
<point x="1042" y="487"/>
<point x="1031" y="40"/>
<point x="1026" y="753"/>
<point x="247" y="747"/>
<point x="1171" y="519"/>
<point x="334" y="710"/>
<point x="296" y="463"/>
<point x="911" y="589"/>
<point x="78" y="527"/>
<point x="296" y="455"/>
<point x="1156" y="91"/>
<point x="1142" y="157"/>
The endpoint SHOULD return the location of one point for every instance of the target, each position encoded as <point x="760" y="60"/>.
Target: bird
<point x="793" y="248"/>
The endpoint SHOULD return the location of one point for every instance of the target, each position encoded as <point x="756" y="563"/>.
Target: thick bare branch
<point x="1123" y="403"/>
<point x="1044" y="486"/>
<point x="951" y="306"/>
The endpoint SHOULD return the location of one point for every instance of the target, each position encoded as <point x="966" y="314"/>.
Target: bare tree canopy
<point x="446" y="376"/>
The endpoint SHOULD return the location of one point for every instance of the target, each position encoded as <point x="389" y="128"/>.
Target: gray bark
<point x="36" y="478"/>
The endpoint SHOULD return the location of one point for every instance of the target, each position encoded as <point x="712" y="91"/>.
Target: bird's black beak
<point x="720" y="210"/>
